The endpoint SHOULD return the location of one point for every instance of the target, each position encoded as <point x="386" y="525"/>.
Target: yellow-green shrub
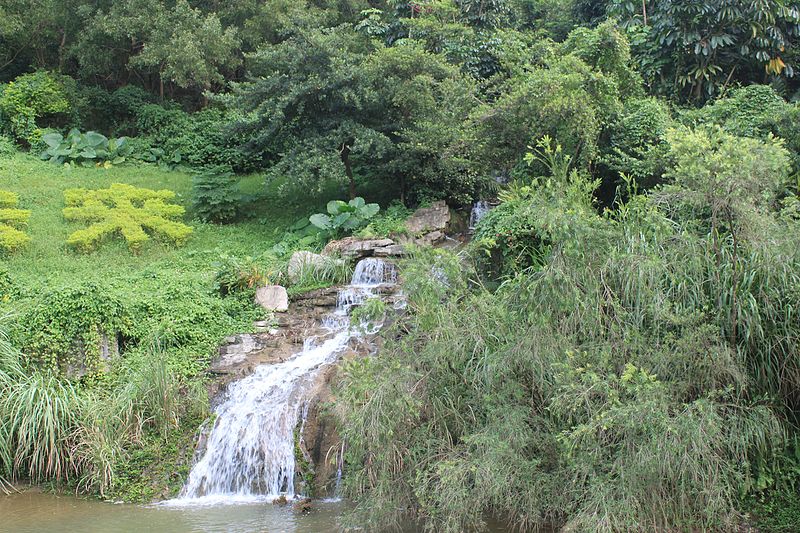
<point x="125" y="210"/>
<point x="11" y="220"/>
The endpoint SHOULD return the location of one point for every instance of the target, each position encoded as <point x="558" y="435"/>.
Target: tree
<point x="333" y="105"/>
<point x="697" y="48"/>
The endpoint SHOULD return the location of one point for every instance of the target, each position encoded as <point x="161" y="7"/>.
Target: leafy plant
<point x="216" y="195"/>
<point x="344" y="217"/>
<point x="35" y="96"/>
<point x="125" y="210"/>
<point x="234" y="274"/>
<point x="85" y="148"/>
<point x="11" y="219"/>
<point x="391" y="221"/>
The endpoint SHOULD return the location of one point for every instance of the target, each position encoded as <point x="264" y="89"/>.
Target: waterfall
<point x="250" y="451"/>
<point x="479" y="209"/>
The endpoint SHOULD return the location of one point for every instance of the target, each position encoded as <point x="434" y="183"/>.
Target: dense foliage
<point x="616" y="348"/>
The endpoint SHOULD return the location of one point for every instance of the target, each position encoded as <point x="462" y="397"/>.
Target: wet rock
<point x="429" y="219"/>
<point x="280" y="500"/>
<point x="353" y="247"/>
<point x="236" y="351"/>
<point x="273" y="298"/>
<point x="302" y="506"/>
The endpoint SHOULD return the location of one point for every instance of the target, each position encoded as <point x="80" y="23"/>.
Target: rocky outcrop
<point x="355" y="248"/>
<point x="429" y="219"/>
<point x="273" y="298"/>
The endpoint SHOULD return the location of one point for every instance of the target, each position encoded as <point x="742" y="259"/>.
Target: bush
<point x="234" y="274"/>
<point x="216" y="197"/>
<point x="125" y="210"/>
<point x="7" y="146"/>
<point x="753" y="111"/>
<point x="11" y="220"/>
<point x="202" y="139"/>
<point x="638" y="145"/>
<point x="66" y="327"/>
<point x="392" y="221"/>
<point x="36" y="100"/>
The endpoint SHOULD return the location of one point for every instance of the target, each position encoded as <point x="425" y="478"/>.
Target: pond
<point x="37" y="512"/>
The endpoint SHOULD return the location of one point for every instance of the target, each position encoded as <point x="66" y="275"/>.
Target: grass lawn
<point x="48" y="261"/>
<point x="167" y="291"/>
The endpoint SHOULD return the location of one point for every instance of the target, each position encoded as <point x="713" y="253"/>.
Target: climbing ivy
<point x="11" y="220"/>
<point x="66" y="326"/>
<point x="125" y="210"/>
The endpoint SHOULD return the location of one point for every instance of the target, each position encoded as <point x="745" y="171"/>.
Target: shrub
<point x="7" y="146"/>
<point x="216" y="195"/>
<point x="125" y="210"/>
<point x="753" y="111"/>
<point x="638" y="142"/>
<point x="392" y="221"/>
<point x="11" y="219"/>
<point x="84" y="148"/>
<point x="65" y="327"/>
<point x="344" y="217"/>
<point x="35" y="100"/>
<point x="202" y="139"/>
<point x="234" y="274"/>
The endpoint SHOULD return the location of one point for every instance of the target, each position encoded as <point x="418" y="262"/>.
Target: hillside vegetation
<point x="615" y="349"/>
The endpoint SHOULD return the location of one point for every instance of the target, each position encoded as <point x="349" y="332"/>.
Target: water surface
<point x="35" y="512"/>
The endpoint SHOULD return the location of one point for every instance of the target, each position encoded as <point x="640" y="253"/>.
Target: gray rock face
<point x="429" y="219"/>
<point x="353" y="247"/>
<point x="273" y="298"/>
<point x="301" y="261"/>
<point x="393" y="250"/>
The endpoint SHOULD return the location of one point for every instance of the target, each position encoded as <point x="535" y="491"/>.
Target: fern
<point x="11" y="220"/>
<point x="125" y="210"/>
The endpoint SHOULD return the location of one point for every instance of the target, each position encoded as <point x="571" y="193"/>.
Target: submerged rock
<point x="273" y="298"/>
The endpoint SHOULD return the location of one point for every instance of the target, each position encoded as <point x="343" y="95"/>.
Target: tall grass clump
<point x="633" y="373"/>
<point x="56" y="430"/>
<point x="39" y="412"/>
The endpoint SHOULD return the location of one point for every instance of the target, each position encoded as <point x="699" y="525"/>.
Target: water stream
<point x="479" y="210"/>
<point x="250" y="451"/>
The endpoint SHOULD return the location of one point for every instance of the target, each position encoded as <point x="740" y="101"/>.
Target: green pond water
<point x="35" y="512"/>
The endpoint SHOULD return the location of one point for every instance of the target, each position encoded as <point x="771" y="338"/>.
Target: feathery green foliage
<point x="11" y="220"/>
<point x="126" y="210"/>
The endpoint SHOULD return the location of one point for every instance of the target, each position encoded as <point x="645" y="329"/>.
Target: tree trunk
<point x="344" y="154"/>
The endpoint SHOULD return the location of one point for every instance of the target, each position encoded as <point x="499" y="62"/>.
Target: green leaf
<point x="369" y="210"/>
<point x="357" y="202"/>
<point x="335" y="206"/>
<point x="321" y="221"/>
<point x="52" y="139"/>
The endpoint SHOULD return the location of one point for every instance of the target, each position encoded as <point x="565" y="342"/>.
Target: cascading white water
<point x="250" y="452"/>
<point x="479" y="209"/>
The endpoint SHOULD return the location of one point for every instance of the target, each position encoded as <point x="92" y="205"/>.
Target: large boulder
<point x="429" y="219"/>
<point x="273" y="298"/>
<point x="355" y="248"/>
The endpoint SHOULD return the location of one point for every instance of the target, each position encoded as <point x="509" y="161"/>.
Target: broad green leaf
<point x="335" y="206"/>
<point x="320" y="220"/>
<point x="52" y="139"/>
